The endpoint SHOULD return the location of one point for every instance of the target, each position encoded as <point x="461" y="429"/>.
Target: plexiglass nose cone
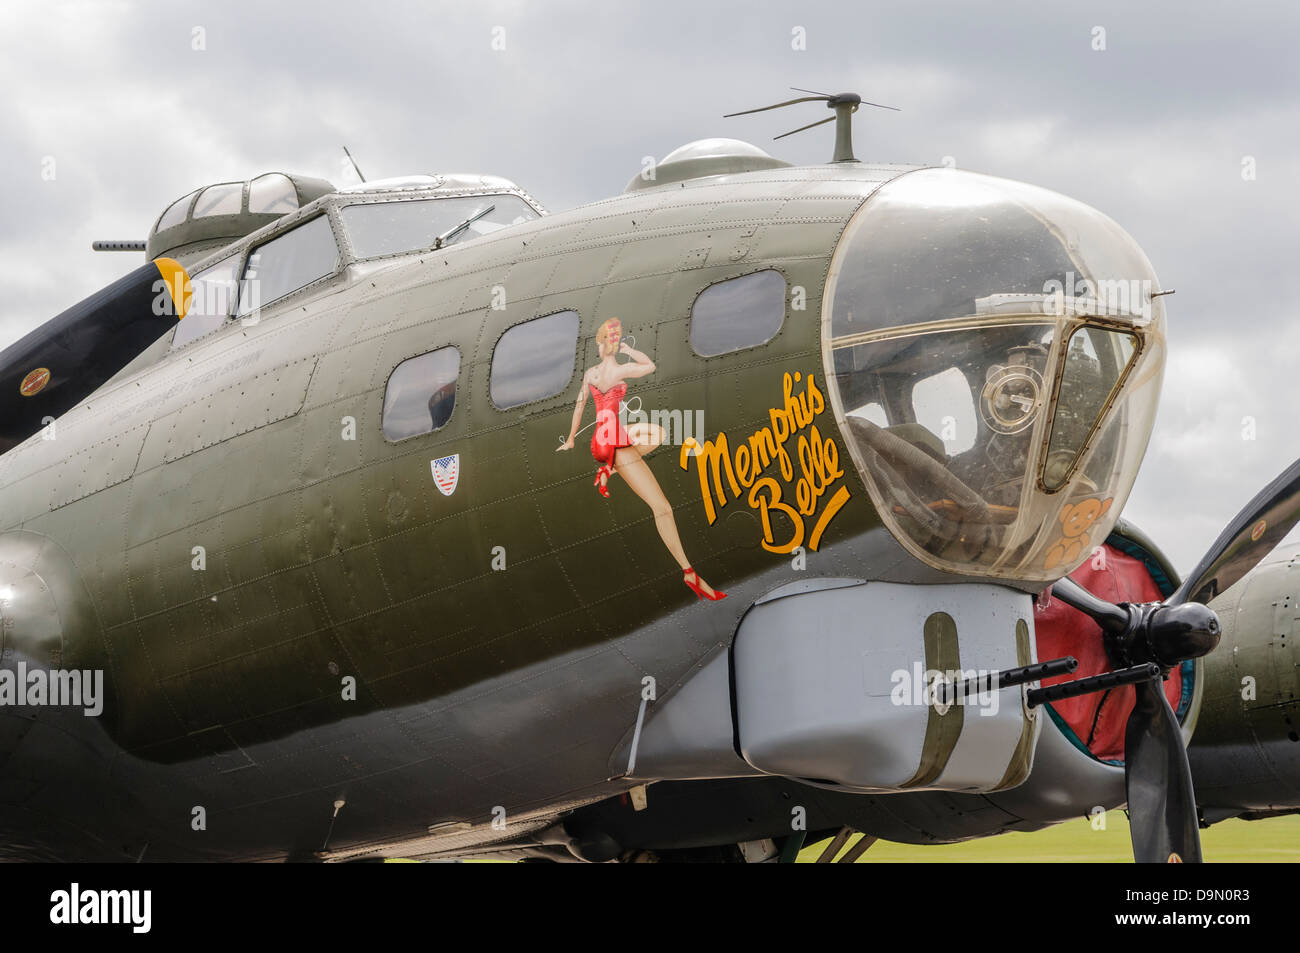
<point x="995" y="355"/>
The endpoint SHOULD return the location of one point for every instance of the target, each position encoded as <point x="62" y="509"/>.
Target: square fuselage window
<point x="534" y="360"/>
<point x="421" y="394"/>
<point x="738" y="313"/>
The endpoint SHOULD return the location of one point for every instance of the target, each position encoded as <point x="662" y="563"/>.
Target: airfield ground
<point x="1273" y="840"/>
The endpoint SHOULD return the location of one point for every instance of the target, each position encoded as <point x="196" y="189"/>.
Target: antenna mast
<point x="354" y="164"/>
<point x="844" y="104"/>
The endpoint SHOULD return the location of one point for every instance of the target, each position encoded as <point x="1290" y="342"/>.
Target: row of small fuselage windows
<point x="534" y="360"/>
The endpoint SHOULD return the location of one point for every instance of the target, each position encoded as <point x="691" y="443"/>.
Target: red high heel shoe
<point x="603" y="474"/>
<point x="699" y="590"/>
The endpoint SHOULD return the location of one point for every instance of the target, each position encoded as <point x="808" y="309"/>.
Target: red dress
<point x="609" y="435"/>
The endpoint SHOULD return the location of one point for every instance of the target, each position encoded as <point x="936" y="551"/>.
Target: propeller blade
<point x="1158" y="781"/>
<point x="802" y="128"/>
<point x="1109" y="616"/>
<point x="1252" y="535"/>
<point x="860" y="101"/>
<point x="1157" y="777"/>
<point x="799" y="89"/>
<point x="789" y="102"/>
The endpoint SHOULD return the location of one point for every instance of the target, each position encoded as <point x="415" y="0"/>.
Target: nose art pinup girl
<point x="620" y="450"/>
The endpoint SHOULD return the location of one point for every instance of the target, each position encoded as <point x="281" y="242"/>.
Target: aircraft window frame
<point x="185" y="202"/>
<point x="1084" y="447"/>
<point x="453" y="383"/>
<point x="351" y="229"/>
<point x="253" y="250"/>
<point x="281" y="191"/>
<point x="714" y="287"/>
<point x="224" y="191"/>
<point x="237" y="262"/>
<point x="550" y="394"/>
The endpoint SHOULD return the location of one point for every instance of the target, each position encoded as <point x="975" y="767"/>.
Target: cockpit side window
<point x="176" y="212"/>
<point x="376" y="229"/>
<point x="534" y="360"/>
<point x="421" y="394"/>
<point x="738" y="313"/>
<point x="212" y="296"/>
<point x="272" y="193"/>
<point x="288" y="262"/>
<point x="224" y="199"/>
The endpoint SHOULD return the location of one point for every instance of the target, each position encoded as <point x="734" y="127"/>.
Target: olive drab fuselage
<point x="330" y="562"/>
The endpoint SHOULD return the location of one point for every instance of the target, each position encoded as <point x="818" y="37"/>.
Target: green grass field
<point x="1273" y="840"/>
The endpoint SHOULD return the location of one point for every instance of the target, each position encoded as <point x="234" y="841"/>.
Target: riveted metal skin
<point x="288" y="617"/>
<point x="328" y="558"/>
<point x="1245" y="755"/>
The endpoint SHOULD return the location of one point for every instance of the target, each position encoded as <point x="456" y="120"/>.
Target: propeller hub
<point x="1166" y="634"/>
<point x="1181" y="632"/>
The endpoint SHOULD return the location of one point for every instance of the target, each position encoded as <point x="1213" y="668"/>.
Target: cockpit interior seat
<point x="922" y="437"/>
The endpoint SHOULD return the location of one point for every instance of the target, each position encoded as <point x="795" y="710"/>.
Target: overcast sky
<point x="139" y="103"/>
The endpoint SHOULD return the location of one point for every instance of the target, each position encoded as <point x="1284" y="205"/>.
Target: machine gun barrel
<point x="117" y="246"/>
<point x="1094" y="683"/>
<point x="992" y="681"/>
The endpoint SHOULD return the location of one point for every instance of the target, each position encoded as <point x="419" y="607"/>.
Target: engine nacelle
<point x="1245" y="754"/>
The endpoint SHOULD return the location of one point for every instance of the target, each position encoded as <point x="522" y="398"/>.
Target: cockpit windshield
<point x="376" y="229"/>
<point x="995" y="354"/>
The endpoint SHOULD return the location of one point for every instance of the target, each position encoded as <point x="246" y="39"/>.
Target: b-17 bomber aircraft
<point x="756" y="505"/>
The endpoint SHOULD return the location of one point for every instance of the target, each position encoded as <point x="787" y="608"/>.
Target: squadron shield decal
<point x="446" y="473"/>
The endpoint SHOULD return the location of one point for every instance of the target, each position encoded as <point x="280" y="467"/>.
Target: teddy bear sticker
<point x="1076" y="520"/>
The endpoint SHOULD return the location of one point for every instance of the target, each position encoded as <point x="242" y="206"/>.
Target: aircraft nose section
<point x="47" y="620"/>
<point x="995" y="352"/>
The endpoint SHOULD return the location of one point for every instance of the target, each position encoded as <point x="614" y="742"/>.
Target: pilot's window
<point x="288" y="262"/>
<point x="212" y="295"/>
<point x="175" y="213"/>
<point x="421" y="394"/>
<point x="272" y="194"/>
<point x="225" y="199"/>
<point x="534" y="359"/>
<point x="390" y="228"/>
<point x="739" y="313"/>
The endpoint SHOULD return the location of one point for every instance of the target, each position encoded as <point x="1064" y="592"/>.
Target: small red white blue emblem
<point x="446" y="473"/>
